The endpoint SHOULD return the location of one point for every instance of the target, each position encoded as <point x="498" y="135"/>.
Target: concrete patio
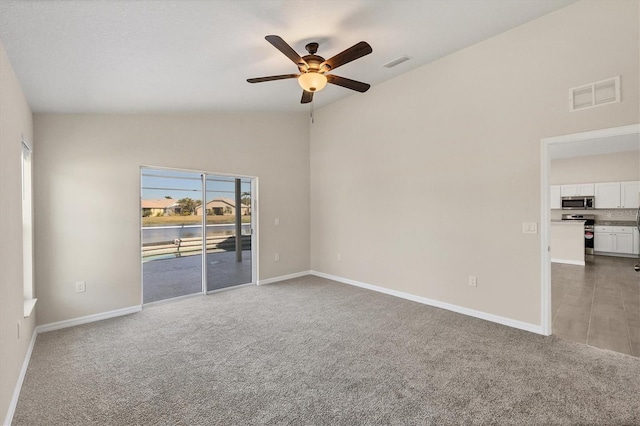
<point x="181" y="276"/>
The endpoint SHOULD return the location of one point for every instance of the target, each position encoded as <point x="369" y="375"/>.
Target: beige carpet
<point x="314" y="352"/>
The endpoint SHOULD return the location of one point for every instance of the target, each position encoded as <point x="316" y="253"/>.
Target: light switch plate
<point x="529" y="228"/>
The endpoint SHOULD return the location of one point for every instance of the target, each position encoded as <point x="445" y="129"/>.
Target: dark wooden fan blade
<point x="358" y="86"/>
<point x="306" y="97"/>
<point x="288" y="51"/>
<point x="271" y="78"/>
<point x="351" y="54"/>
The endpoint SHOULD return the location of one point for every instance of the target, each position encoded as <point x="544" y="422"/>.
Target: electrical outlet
<point x="277" y="257"/>
<point x="339" y="257"/>
<point x="81" y="286"/>
<point x="473" y="281"/>
<point x="277" y="221"/>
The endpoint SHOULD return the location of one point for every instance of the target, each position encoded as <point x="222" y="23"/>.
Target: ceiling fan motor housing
<point x="314" y="62"/>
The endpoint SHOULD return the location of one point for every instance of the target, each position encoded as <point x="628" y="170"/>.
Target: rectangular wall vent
<point x="595" y="94"/>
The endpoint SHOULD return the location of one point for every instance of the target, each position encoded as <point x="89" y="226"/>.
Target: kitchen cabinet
<point x="603" y="239"/>
<point x="636" y="241"/>
<point x="617" y="195"/>
<point x="577" y="189"/>
<point x="623" y="243"/>
<point x="554" y="197"/>
<point x="607" y="195"/>
<point x="629" y="195"/>
<point x="615" y="239"/>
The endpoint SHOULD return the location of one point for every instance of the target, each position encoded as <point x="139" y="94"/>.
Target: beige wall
<point x="617" y="167"/>
<point x="458" y="143"/>
<point x="87" y="164"/>
<point x="15" y="121"/>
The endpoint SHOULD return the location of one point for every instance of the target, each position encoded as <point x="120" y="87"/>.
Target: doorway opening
<point x="591" y="298"/>
<point x="196" y="232"/>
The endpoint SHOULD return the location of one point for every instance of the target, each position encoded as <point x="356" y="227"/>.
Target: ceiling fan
<point x="313" y="68"/>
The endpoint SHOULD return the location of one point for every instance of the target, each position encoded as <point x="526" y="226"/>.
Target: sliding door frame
<point x="254" y="230"/>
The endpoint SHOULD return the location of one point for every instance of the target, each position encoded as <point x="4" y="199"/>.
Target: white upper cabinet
<point x="568" y="190"/>
<point x="629" y="195"/>
<point x="607" y="195"/>
<point x="577" y="189"/>
<point x="617" y="195"/>
<point x="554" y="197"/>
<point x="586" y="189"/>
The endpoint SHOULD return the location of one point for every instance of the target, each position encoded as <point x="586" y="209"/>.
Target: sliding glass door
<point x="228" y="211"/>
<point x="186" y="214"/>
<point x="171" y="234"/>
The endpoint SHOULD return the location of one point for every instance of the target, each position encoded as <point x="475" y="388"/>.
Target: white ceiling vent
<point x="595" y="94"/>
<point x="397" y="61"/>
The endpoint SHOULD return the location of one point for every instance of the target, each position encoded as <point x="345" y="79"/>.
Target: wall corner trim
<point x="16" y="392"/>
<point x="533" y="328"/>
<point x="87" y="319"/>
<point x="284" y="277"/>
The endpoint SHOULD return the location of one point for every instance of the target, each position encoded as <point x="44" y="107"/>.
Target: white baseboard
<point x="89" y="318"/>
<point x="628" y="255"/>
<point x="283" y="277"/>
<point x="568" y="262"/>
<point x="233" y="287"/>
<point x="171" y="300"/>
<point x="16" y="392"/>
<point x="438" y="304"/>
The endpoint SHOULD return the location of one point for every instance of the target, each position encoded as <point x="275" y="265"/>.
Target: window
<point x="27" y="229"/>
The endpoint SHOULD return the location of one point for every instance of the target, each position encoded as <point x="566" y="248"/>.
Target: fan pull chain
<point x="311" y="113"/>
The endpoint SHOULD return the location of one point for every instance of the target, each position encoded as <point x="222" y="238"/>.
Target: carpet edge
<point x="43" y="328"/>
<point x="23" y="371"/>
<point x="509" y="322"/>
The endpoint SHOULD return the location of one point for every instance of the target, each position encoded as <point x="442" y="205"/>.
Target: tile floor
<point x="598" y="304"/>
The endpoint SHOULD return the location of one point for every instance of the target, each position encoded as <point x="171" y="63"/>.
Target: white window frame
<point x="27" y="227"/>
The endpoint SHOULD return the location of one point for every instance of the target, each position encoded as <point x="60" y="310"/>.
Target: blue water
<point x="159" y="234"/>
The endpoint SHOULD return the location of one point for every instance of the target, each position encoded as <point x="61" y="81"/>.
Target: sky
<point x="157" y="184"/>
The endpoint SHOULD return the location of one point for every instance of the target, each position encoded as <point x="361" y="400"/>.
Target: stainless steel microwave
<point x="578" y="203"/>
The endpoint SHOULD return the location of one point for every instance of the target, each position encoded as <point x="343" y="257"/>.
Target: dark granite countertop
<point x="615" y="223"/>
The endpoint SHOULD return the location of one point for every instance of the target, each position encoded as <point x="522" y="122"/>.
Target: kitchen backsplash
<point x="614" y="214"/>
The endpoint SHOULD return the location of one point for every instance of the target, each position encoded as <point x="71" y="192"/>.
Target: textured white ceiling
<point x="609" y="145"/>
<point x="195" y="56"/>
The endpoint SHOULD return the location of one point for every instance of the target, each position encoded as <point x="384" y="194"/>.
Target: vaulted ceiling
<point x="195" y="56"/>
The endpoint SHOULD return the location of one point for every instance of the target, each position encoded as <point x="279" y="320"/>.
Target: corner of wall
<point x="16" y="123"/>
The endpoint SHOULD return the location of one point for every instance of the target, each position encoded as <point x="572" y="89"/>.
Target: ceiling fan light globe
<point x="312" y="81"/>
